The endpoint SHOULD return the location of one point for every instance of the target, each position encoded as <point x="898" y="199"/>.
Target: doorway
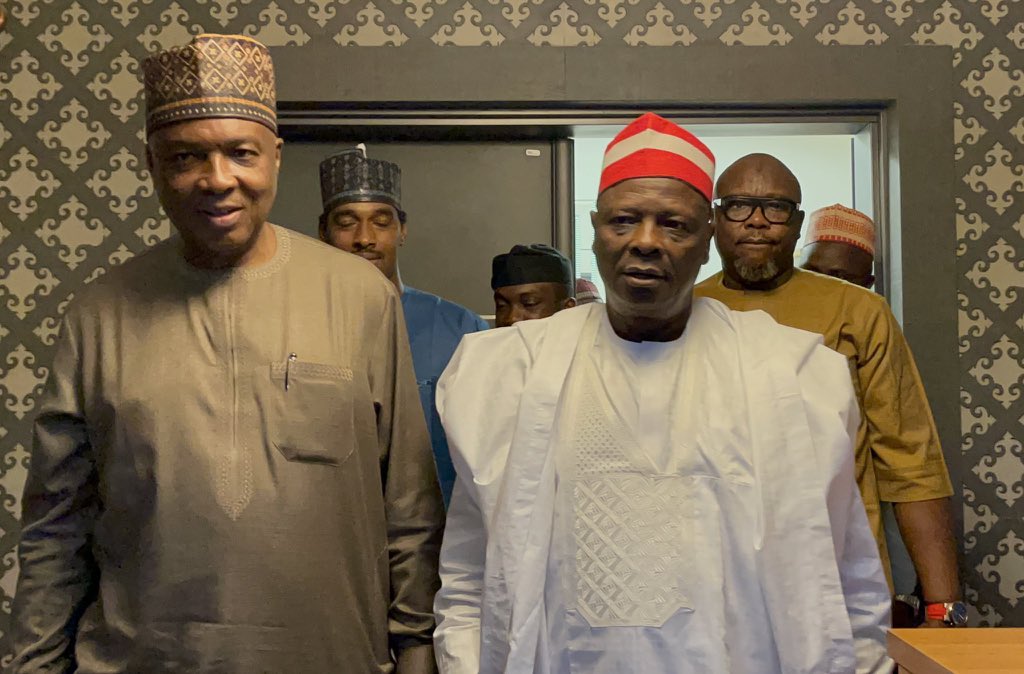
<point x="825" y="157"/>
<point x="466" y="201"/>
<point x="472" y="192"/>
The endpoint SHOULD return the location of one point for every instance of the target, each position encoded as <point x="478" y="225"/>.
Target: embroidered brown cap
<point x="212" y="76"/>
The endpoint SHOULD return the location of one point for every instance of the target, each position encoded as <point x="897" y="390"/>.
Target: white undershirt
<point x="646" y="383"/>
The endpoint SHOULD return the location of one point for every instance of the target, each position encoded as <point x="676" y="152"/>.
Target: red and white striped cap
<point x="653" y="147"/>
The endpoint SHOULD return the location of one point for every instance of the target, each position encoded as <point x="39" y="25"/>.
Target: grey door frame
<point x="546" y="90"/>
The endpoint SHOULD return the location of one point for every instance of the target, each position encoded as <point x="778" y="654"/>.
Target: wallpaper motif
<point x="75" y="197"/>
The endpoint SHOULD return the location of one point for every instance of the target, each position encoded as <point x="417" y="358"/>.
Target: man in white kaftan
<point x="639" y="476"/>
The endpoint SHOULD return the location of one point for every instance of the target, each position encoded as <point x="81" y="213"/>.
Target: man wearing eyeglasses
<point x="898" y="457"/>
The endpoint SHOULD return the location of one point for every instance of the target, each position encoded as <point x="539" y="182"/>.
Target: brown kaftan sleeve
<point x="59" y="507"/>
<point x="414" y="508"/>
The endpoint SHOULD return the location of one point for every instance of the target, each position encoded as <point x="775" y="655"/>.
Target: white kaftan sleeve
<point x="478" y="400"/>
<point x="457" y="604"/>
<point x="826" y="386"/>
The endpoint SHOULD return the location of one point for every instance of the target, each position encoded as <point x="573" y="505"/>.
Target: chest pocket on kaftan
<point x="632" y="529"/>
<point x="307" y="410"/>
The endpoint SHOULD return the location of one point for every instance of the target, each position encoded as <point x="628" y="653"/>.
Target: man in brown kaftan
<point x="231" y="471"/>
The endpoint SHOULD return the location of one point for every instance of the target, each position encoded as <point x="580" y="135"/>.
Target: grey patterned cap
<point x="351" y="176"/>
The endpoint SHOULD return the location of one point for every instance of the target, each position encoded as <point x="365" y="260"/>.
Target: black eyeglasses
<point x="739" y="209"/>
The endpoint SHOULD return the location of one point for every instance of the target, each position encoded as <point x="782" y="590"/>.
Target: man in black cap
<point x="529" y="282"/>
<point x="363" y="215"/>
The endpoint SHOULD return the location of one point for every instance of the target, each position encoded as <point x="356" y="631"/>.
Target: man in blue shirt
<point x="363" y="215"/>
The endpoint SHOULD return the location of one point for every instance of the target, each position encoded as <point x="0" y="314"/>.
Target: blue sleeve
<point x="474" y="323"/>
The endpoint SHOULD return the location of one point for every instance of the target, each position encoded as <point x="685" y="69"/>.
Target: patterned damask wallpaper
<point x="75" y="197"/>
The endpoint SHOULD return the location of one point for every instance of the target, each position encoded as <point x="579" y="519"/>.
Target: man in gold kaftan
<point x="898" y="456"/>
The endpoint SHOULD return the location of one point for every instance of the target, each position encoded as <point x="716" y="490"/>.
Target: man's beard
<point x="757" y="272"/>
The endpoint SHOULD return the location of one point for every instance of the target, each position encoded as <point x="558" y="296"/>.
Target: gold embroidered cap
<point x="212" y="76"/>
<point x="842" y="224"/>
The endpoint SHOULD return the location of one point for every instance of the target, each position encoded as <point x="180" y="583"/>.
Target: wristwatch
<point x="953" y="613"/>
<point x="907" y="610"/>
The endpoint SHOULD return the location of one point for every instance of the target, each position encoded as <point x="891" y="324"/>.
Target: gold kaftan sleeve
<point x="59" y="507"/>
<point x="901" y="431"/>
<point x="413" y="503"/>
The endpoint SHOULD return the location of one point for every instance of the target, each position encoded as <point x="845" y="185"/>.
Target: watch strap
<point x="953" y="613"/>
